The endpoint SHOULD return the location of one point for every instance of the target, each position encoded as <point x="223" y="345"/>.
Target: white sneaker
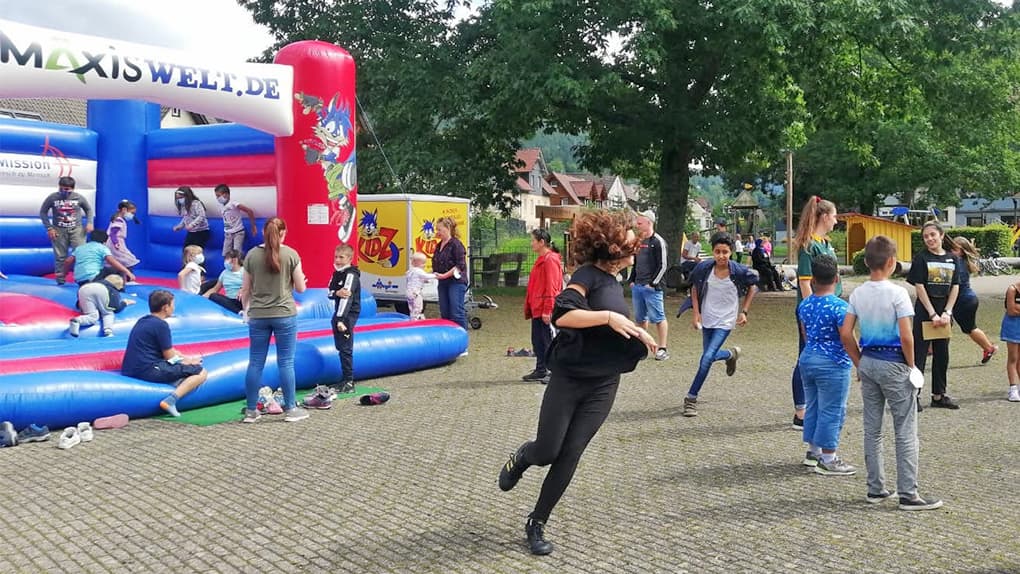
<point x="69" y="438"/>
<point x="73" y="326"/>
<point x="107" y="332"/>
<point x="1014" y="394"/>
<point x="85" y="430"/>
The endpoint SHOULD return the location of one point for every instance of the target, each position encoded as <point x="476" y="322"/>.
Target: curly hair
<point x="601" y="235"/>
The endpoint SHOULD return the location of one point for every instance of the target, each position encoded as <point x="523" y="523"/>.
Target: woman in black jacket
<point x="596" y="343"/>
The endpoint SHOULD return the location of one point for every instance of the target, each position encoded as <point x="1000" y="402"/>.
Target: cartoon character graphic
<point x="376" y="243"/>
<point x="428" y="229"/>
<point x="332" y="137"/>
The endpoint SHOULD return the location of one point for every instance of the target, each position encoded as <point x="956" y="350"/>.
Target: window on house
<point x="975" y="221"/>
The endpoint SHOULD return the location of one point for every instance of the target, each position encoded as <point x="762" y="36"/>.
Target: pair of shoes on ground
<point x="537" y="375"/>
<point x="292" y="415"/>
<point x="73" y="436"/>
<point x="917" y="502"/>
<point x="835" y="467"/>
<point x="321" y="398"/>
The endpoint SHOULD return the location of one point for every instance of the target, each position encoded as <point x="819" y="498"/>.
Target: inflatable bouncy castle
<point x="290" y="153"/>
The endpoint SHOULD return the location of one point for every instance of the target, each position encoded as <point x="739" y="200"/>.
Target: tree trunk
<point x="674" y="182"/>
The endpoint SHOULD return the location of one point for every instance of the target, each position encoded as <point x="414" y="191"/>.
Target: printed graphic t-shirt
<point x="937" y="273"/>
<point x="822" y="317"/>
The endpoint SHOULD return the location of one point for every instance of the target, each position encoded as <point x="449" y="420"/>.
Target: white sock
<point x="815" y="450"/>
<point x="828" y="457"/>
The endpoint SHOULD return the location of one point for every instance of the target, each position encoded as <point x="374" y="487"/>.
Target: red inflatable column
<point x="316" y="173"/>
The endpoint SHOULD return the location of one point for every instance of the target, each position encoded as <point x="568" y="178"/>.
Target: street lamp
<point x="789" y="197"/>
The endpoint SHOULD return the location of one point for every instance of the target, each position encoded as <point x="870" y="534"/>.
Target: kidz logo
<point x="387" y="286"/>
<point x="376" y="245"/>
<point x="426" y="241"/>
<point x="132" y="69"/>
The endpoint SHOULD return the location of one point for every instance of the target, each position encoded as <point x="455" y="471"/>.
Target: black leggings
<point x="572" y="412"/>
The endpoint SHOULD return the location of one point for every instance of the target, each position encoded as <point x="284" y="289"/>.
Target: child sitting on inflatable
<point x="190" y="277"/>
<point x="99" y="300"/>
<point x="150" y="353"/>
<point x="230" y="281"/>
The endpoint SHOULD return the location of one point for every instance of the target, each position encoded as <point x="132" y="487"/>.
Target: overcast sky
<point x="217" y="26"/>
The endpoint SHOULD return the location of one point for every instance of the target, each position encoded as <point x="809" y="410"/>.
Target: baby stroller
<point x="471" y="305"/>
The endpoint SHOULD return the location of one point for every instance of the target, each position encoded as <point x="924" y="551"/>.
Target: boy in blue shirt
<point x="824" y="369"/>
<point x="89" y="259"/>
<point x="884" y="359"/>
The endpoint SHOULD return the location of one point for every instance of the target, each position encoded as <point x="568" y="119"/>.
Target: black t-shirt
<point x="604" y="290"/>
<point x="937" y="273"/>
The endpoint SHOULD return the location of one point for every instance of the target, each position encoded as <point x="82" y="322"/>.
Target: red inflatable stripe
<point x="110" y="360"/>
<point x="237" y="170"/>
<point x="20" y="309"/>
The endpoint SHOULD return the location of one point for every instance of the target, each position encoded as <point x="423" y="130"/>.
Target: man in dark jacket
<point x="646" y="276"/>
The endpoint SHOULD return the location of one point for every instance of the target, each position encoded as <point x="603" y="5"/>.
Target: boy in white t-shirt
<point x="233" y="226"/>
<point x="884" y="358"/>
<point x="416" y="278"/>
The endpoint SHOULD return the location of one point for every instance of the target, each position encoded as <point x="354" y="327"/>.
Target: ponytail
<point x="273" y="232"/>
<point x="813" y="211"/>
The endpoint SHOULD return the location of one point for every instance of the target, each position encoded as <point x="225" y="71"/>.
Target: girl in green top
<point x="816" y="221"/>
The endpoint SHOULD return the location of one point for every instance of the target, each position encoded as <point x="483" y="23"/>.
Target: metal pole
<point x="789" y="201"/>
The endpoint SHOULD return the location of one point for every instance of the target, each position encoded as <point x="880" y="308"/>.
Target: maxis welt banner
<point x="38" y="62"/>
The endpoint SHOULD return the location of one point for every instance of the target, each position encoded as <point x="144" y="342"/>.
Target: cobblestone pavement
<point x="410" y="486"/>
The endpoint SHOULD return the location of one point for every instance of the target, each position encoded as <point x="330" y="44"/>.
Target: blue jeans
<point x="451" y="302"/>
<point x="712" y="341"/>
<point x="826" y="386"/>
<point x="796" y="382"/>
<point x="259" y="331"/>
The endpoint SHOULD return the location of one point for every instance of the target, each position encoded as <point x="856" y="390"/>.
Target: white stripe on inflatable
<point x="261" y="199"/>
<point x="44" y="171"/>
<point x="40" y="62"/>
<point x="25" y="201"/>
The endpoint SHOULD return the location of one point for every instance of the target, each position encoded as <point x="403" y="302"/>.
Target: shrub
<point x="860" y="268"/>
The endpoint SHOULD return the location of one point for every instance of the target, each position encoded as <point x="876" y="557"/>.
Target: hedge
<point x="988" y="239"/>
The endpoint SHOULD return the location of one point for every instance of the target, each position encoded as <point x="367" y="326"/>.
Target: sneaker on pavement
<point x="318" y="402"/>
<point x="85" y="431"/>
<point x="1014" y="394"/>
<point x="987" y="355"/>
<point x="251" y="415"/>
<point x="73" y="327"/>
<point x="8" y="436"/>
<point x="872" y="498"/>
<point x="34" y="433"/>
<point x="661" y="354"/>
<point x="810" y="459"/>
<point x="295" y="414"/>
<point x="535" y="375"/>
<point x="326" y="391"/>
<point x="69" y="438"/>
<point x="918" y="503"/>
<point x="690" y="407"/>
<point x="946" y="402"/>
<point x="731" y="363"/>
<point x="798" y="423"/>
<point x="835" y="467"/>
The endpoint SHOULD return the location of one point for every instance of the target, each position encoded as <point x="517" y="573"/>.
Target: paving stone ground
<point x="410" y="486"/>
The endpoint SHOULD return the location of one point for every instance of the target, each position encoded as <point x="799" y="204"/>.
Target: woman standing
<point x="544" y="284"/>
<point x="965" y="310"/>
<point x="933" y="274"/>
<point x="193" y="219"/>
<point x="272" y="272"/>
<point x="816" y="222"/>
<point x="596" y="342"/>
<point x="450" y="266"/>
<point x="117" y="233"/>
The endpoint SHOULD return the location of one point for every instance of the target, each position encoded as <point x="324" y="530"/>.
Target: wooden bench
<point x="509" y="264"/>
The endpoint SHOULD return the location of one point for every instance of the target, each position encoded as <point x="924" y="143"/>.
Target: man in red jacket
<point x="544" y="284"/>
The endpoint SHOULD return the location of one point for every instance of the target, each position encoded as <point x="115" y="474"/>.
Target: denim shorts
<point x="647" y="304"/>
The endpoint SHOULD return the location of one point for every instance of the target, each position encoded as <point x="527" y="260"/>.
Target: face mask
<point x="222" y="200"/>
<point x="129" y="216"/>
<point x="64" y="193"/>
<point x="200" y="259"/>
<point x="180" y="202"/>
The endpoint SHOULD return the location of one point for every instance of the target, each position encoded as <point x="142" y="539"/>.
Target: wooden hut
<point x="860" y="228"/>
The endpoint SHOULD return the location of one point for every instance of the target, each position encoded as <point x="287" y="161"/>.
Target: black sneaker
<point x="535" y="375"/>
<point x="946" y="402"/>
<point x="918" y="503"/>
<point x="731" y="363"/>
<point x="880" y="497"/>
<point x="798" y="423"/>
<point x="535" y="531"/>
<point x="512" y="470"/>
